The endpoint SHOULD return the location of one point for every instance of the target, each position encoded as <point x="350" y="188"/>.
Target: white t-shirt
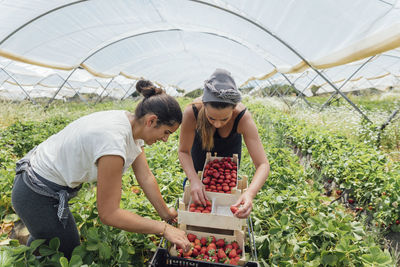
<point x="69" y="157"/>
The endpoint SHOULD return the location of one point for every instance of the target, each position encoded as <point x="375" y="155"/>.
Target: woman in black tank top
<point x="217" y="124"/>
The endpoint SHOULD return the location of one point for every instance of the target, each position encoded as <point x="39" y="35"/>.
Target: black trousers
<point x="39" y="214"/>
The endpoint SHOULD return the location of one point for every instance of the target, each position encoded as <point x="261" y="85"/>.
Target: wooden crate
<point x="236" y="235"/>
<point x="220" y="217"/>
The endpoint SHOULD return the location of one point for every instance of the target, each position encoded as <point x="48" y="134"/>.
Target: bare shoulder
<point x="246" y="123"/>
<point x="188" y="111"/>
<point x="188" y="115"/>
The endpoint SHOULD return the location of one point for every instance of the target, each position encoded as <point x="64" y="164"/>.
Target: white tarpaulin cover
<point x="179" y="43"/>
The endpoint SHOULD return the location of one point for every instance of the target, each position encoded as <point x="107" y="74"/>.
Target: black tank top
<point x="225" y="147"/>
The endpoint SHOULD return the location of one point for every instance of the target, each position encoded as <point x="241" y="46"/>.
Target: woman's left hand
<point x="171" y="216"/>
<point x="247" y="205"/>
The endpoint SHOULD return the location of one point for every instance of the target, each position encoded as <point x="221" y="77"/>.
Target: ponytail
<point x="157" y="102"/>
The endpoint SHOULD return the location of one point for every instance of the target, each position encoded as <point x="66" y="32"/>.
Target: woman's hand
<point x="171" y="216"/>
<point x="198" y="191"/>
<point x="177" y="237"/>
<point x="246" y="200"/>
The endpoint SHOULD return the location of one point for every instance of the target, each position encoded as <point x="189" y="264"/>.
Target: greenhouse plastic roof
<point x="179" y="43"/>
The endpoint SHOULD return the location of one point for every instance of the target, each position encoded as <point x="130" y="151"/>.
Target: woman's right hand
<point x="198" y="191"/>
<point x="177" y="237"/>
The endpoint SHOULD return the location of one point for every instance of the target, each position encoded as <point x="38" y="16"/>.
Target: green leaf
<point x="36" y="243"/>
<point x="104" y="251"/>
<point x="14" y="243"/>
<point x="11" y="218"/>
<point x="274" y="230"/>
<point x="76" y="261"/>
<point x="54" y="243"/>
<point x="20" y="250"/>
<point x="46" y="251"/>
<point x="6" y="259"/>
<point x="63" y="262"/>
<point x="329" y="259"/>
<point x="79" y="251"/>
<point x="92" y="246"/>
<point x="130" y="250"/>
<point x="284" y="220"/>
<point x="93" y="235"/>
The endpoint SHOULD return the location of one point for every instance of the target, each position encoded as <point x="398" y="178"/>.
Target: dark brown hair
<point x="156" y="101"/>
<point x="205" y="128"/>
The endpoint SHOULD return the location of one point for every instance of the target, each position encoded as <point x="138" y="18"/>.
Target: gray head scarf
<point x="221" y="88"/>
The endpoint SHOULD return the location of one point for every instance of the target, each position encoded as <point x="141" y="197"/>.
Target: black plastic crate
<point x="162" y="258"/>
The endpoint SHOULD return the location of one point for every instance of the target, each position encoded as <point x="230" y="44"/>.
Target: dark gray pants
<point x="39" y="214"/>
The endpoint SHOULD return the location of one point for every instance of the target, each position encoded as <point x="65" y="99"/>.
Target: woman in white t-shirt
<point x="98" y="147"/>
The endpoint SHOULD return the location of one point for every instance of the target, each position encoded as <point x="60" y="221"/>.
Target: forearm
<point x="152" y="192"/>
<point x="131" y="222"/>
<point x="259" y="179"/>
<point x="187" y="165"/>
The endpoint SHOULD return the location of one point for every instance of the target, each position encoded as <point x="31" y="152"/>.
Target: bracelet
<point x="163" y="231"/>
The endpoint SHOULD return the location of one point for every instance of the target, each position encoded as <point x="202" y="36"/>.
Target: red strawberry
<point x="221" y="254"/>
<point x="191" y="237"/>
<point x="195" y="253"/>
<point x="211" y="246"/>
<point x="235" y="244"/>
<point x="211" y="239"/>
<point x="234" y="209"/>
<point x="188" y="254"/>
<point x="180" y="252"/>
<point x="232" y="254"/>
<point x="220" y="243"/>
<point x="203" y="241"/>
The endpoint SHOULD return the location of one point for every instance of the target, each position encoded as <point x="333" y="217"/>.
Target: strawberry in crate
<point x="200" y="208"/>
<point x="212" y="250"/>
<point x="220" y="175"/>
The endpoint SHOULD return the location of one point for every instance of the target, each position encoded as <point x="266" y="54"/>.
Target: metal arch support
<point x="289" y="47"/>
<point x="59" y="89"/>
<point x="38" y="17"/>
<point x="20" y="86"/>
<point x="348" y="79"/>
<point x="132" y="36"/>
<point x="97" y="100"/>
<point x="280" y="95"/>
<point x="300" y="93"/>
<point x="383" y="126"/>
<point x="108" y="92"/>
<point x="168" y="30"/>
<point x="275" y="89"/>
<point x="305" y="88"/>
<point x="122" y="98"/>
<point x="140" y="34"/>
<point x="58" y="75"/>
